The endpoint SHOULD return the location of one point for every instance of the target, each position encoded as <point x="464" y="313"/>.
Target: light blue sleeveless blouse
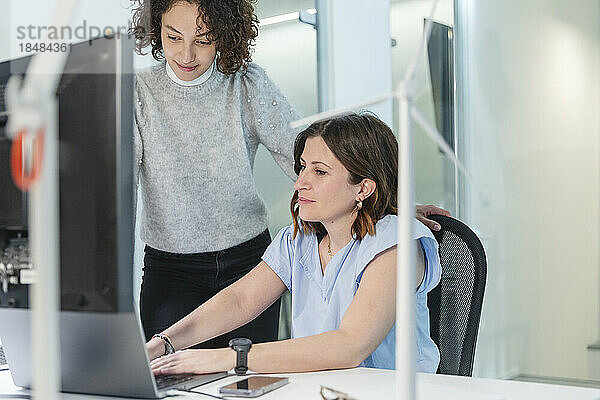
<point x="320" y="301"/>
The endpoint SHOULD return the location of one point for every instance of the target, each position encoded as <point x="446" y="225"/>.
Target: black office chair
<point x="455" y="304"/>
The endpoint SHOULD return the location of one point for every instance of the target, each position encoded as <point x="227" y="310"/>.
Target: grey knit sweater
<point x="195" y="151"/>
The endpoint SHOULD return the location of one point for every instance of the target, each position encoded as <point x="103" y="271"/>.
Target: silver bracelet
<point x="169" y="348"/>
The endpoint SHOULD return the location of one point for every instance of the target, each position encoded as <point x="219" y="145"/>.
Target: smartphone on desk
<point x="253" y="386"/>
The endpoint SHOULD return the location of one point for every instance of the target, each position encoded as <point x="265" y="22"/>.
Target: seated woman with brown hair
<point x="338" y="260"/>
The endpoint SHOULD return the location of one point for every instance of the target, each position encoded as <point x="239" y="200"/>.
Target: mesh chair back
<point x="455" y="304"/>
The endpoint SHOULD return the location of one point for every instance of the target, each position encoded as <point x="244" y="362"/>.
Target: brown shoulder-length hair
<point x="367" y="148"/>
<point x="231" y="24"/>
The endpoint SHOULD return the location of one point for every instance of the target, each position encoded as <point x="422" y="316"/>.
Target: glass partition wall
<point x="525" y="100"/>
<point x="528" y="89"/>
<point x="527" y="94"/>
<point x="435" y="181"/>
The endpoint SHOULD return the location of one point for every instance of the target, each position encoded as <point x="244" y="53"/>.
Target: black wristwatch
<point x="241" y="346"/>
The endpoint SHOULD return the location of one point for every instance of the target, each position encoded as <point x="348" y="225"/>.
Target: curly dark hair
<point x="231" y="24"/>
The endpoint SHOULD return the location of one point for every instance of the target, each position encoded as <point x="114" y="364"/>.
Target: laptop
<point x="101" y="353"/>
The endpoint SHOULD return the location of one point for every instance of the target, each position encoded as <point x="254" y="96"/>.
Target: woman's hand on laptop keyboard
<point x="203" y="361"/>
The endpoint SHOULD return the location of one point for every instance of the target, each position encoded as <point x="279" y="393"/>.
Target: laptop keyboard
<point x="164" y="381"/>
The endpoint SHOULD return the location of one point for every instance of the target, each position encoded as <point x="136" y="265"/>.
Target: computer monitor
<point x="441" y="73"/>
<point x="95" y="122"/>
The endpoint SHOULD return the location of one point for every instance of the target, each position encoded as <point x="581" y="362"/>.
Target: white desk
<point x="365" y="383"/>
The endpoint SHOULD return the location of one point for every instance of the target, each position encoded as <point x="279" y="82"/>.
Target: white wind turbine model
<point x="33" y="125"/>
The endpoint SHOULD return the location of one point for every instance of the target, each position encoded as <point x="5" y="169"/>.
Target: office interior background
<point x="527" y="115"/>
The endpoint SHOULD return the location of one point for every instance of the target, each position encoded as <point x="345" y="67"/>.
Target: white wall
<point x="354" y="54"/>
<point x="531" y="88"/>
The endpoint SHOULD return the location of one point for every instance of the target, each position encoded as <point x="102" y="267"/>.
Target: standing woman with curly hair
<point x="201" y="114"/>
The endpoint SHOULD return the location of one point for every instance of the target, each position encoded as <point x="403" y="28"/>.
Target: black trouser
<point x="173" y="285"/>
